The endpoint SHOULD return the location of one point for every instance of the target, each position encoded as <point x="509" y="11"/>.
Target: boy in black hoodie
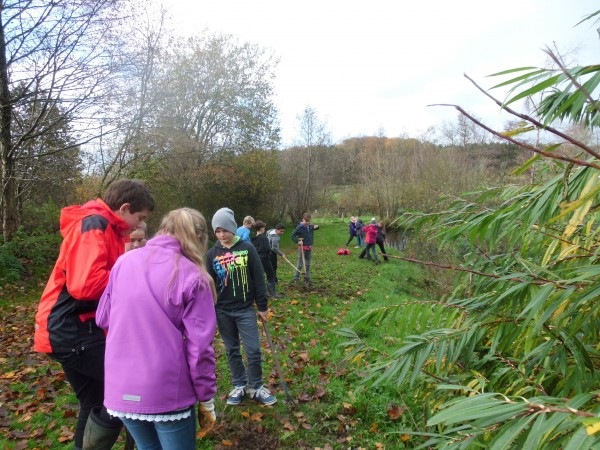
<point x="239" y="278"/>
<point x="263" y="247"/>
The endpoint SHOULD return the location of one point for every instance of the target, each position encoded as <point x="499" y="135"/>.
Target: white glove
<point x="206" y="417"/>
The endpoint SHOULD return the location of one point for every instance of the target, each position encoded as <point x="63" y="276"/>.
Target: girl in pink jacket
<point x="159" y="311"/>
<point x="371" y="240"/>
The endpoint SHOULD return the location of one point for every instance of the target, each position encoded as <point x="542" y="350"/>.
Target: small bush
<point x="11" y="268"/>
<point x="37" y="250"/>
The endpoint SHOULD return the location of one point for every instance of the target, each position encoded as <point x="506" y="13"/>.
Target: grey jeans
<point x="300" y="265"/>
<point x="241" y="327"/>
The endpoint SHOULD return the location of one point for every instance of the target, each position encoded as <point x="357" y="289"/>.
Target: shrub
<point x="10" y="266"/>
<point x="37" y="250"/>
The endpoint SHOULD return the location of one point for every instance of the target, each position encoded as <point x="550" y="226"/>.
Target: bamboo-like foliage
<point x="512" y="353"/>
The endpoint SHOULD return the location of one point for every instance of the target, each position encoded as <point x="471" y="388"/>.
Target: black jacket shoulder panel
<point x="95" y="222"/>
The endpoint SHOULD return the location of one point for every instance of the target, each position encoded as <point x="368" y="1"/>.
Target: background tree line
<point x="93" y="91"/>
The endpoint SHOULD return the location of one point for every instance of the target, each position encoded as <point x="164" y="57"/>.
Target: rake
<point x="290" y="399"/>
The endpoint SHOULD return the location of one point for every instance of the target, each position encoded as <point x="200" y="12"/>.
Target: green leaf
<point x="509" y="433"/>
<point x="581" y="441"/>
<point x="535" y="89"/>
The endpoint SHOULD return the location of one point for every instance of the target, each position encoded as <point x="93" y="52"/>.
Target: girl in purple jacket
<point x="159" y="311"/>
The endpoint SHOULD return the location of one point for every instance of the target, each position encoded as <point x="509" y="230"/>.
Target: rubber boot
<point x="272" y="291"/>
<point x="98" y="434"/>
<point x="308" y="283"/>
<point x="272" y="287"/>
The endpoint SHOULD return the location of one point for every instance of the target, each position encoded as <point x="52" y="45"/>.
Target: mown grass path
<point x="37" y="409"/>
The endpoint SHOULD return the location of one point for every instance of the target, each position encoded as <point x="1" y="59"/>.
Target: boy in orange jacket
<point x="65" y="328"/>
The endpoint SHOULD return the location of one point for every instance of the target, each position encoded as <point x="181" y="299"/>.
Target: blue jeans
<point x="360" y="240"/>
<point x="243" y="324"/>
<point x="300" y="265"/>
<point x="175" y="434"/>
<point x="367" y="251"/>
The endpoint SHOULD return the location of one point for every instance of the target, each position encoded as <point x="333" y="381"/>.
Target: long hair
<point x="188" y="226"/>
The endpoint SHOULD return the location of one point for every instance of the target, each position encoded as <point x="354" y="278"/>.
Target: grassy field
<point x="331" y="410"/>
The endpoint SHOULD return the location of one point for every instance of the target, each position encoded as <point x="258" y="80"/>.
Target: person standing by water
<point x="381" y="240"/>
<point x="158" y="309"/>
<point x="360" y="233"/>
<point x="371" y="240"/>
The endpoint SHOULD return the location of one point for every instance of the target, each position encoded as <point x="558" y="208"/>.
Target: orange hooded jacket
<point x="92" y="242"/>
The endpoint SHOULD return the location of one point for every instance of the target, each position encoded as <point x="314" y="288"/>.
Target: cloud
<point x="364" y="66"/>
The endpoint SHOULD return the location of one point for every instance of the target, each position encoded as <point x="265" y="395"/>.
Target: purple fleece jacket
<point x="159" y="312"/>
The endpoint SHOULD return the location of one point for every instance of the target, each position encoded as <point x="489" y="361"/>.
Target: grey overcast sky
<point x="366" y="66"/>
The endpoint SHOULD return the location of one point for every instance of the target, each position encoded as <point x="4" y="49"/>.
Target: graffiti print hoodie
<point x="239" y="276"/>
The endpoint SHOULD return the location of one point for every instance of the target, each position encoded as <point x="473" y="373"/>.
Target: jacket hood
<point x="75" y="213"/>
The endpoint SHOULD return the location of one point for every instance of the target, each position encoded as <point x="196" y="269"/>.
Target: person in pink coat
<point x="158" y="310"/>
<point x="371" y="240"/>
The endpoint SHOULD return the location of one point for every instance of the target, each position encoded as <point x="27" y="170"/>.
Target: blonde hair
<point x="188" y="226"/>
<point x="248" y="220"/>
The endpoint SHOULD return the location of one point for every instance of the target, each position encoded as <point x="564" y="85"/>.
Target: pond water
<point x="397" y="239"/>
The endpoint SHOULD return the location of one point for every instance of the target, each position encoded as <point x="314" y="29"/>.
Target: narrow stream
<point x="397" y="239"/>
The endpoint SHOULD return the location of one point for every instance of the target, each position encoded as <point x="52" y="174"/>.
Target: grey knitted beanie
<point x="224" y="218"/>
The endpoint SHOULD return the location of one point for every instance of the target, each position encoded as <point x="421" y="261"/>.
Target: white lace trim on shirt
<point x="151" y="417"/>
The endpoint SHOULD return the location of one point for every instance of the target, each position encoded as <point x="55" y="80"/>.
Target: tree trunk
<point x="10" y="216"/>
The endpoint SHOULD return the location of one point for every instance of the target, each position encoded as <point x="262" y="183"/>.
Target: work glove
<point x="206" y="417"/>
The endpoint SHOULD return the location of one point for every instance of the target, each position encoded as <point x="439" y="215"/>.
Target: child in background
<point x="303" y="236"/>
<point x="352" y="229"/>
<point x="244" y="230"/>
<point x="239" y="277"/>
<point x="137" y="238"/>
<point x="274" y="237"/>
<point x="158" y="310"/>
<point x="371" y="240"/>
<point x="263" y="248"/>
<point x="381" y="240"/>
<point x="360" y="232"/>
<point x="93" y="238"/>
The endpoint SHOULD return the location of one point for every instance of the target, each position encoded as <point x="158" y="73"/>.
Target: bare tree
<point x="51" y="53"/>
<point x="301" y="163"/>
<point x="132" y="131"/>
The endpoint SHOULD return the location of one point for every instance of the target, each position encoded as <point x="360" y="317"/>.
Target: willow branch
<point x="508" y="362"/>
<point x="539" y="281"/>
<point x="573" y="80"/>
<point x="577" y="162"/>
<point x="535" y="122"/>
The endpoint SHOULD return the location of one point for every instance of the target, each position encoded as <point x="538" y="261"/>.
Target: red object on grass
<point x="343" y="251"/>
